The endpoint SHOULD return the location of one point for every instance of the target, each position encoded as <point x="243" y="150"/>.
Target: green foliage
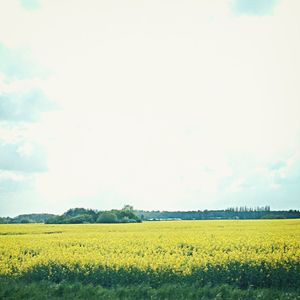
<point x="17" y="289"/>
<point x="82" y="215"/>
<point x="74" y="212"/>
<point x="128" y="214"/>
<point x="81" y="219"/>
<point x="25" y="221"/>
<point x="127" y="207"/>
<point x="107" y="217"/>
<point x="57" y="220"/>
<point x="234" y="273"/>
<point x="28" y="218"/>
<point x="242" y="213"/>
<point x="273" y="216"/>
<point x="4" y="220"/>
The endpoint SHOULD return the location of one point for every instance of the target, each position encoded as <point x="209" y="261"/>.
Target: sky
<point x="163" y="105"/>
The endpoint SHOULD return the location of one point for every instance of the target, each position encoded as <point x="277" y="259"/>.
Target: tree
<point x="107" y="217"/>
<point x="128" y="207"/>
<point x="80" y="219"/>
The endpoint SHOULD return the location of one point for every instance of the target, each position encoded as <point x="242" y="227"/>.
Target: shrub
<point x="107" y="217"/>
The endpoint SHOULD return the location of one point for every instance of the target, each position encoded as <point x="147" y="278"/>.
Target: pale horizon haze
<point x="163" y="105"/>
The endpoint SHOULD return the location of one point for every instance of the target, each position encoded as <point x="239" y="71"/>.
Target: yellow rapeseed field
<point x="228" y="251"/>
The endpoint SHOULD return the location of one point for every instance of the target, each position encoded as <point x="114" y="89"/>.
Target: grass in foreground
<point x="11" y="289"/>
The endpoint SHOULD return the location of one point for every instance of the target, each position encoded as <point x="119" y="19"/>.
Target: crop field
<point x="258" y="254"/>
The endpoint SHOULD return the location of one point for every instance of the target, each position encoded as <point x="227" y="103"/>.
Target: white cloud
<point x="11" y="175"/>
<point x="163" y="105"/>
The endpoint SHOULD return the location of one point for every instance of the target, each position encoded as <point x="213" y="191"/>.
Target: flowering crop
<point x="257" y="252"/>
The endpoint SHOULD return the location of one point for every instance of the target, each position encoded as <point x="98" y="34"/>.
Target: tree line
<point x="243" y="213"/>
<point x="78" y="216"/>
<point x="82" y="215"/>
<point x="27" y="218"/>
<point x="128" y="215"/>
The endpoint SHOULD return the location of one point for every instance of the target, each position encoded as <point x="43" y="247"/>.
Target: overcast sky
<point x="164" y="105"/>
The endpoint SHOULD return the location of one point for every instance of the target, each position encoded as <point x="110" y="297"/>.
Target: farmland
<point x="262" y="254"/>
